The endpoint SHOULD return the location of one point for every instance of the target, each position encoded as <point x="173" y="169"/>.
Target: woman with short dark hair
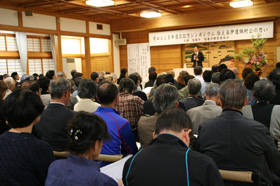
<point x="86" y="134"/>
<point x="24" y="158"/>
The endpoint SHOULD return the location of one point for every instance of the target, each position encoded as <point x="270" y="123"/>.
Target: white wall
<point x="8" y="17"/>
<point x="39" y="21"/>
<point x="72" y="45"/>
<point x="93" y="28"/>
<point x="72" y="25"/>
<point x="99" y="45"/>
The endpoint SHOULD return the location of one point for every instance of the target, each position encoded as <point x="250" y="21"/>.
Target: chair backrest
<point x="241" y="176"/>
<point x="101" y="157"/>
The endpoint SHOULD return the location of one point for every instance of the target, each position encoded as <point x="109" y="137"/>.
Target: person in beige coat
<point x="208" y="110"/>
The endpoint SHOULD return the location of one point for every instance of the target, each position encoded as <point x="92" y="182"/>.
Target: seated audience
<point x="173" y="74"/>
<point x="77" y="81"/>
<point x="61" y="74"/>
<point x="130" y="107"/>
<point x="215" y="78"/>
<point x="197" y="74"/>
<point x="114" y="78"/>
<point x="183" y="92"/>
<point x="86" y="133"/>
<point x="24" y="159"/>
<point x="152" y="79"/>
<point x="15" y="76"/>
<point x="122" y="139"/>
<point x="11" y="86"/>
<point x="274" y="77"/>
<point x="50" y="74"/>
<point x="263" y="111"/>
<point x="101" y="75"/>
<point x="215" y="68"/>
<point x="166" y="96"/>
<point x="192" y="100"/>
<point x="94" y="77"/>
<point x="3" y="125"/>
<point x="246" y="71"/>
<point x="122" y="75"/>
<point x="86" y="91"/>
<point x="226" y="74"/>
<point x="208" y="110"/>
<point x="73" y="73"/>
<point x="169" y="159"/>
<point x="236" y="142"/>
<point x="222" y="67"/>
<point x="181" y="80"/>
<point x="52" y="126"/>
<point x="278" y="65"/>
<point x="207" y="74"/>
<point x="137" y="92"/>
<point x="35" y="76"/>
<point x="44" y="85"/>
<point x="73" y="99"/>
<point x="249" y="84"/>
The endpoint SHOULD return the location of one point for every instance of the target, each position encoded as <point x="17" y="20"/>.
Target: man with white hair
<point x="11" y="85"/>
<point x="208" y="110"/>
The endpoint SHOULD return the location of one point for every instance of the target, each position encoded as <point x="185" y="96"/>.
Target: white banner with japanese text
<point x="212" y="34"/>
<point x="138" y="58"/>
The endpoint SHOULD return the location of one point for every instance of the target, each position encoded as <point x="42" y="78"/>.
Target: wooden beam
<point x="36" y="55"/>
<point x="87" y="58"/>
<point x="9" y="55"/>
<point x="202" y="19"/>
<point x="73" y="55"/>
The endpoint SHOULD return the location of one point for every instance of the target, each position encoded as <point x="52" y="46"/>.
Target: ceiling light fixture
<point x="239" y="4"/>
<point x="150" y="14"/>
<point x="186" y="6"/>
<point x="100" y="3"/>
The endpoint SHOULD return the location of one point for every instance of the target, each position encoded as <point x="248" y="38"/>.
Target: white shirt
<point x="86" y="105"/>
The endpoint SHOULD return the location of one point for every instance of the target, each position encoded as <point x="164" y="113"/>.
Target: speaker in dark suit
<point x="197" y="57"/>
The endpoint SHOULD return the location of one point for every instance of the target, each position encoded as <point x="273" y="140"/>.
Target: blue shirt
<point x="120" y="132"/>
<point x="77" y="170"/>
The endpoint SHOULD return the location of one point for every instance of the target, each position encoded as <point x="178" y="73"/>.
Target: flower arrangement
<point x="253" y="57"/>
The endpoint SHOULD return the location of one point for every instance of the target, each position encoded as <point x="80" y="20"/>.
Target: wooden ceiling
<point x="123" y="9"/>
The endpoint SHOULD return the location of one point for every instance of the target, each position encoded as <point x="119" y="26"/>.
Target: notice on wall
<point x="138" y="58"/>
<point x="212" y="34"/>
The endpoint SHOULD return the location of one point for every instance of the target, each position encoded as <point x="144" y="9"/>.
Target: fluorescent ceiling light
<point x="150" y="14"/>
<point x="239" y="4"/>
<point x="100" y="3"/>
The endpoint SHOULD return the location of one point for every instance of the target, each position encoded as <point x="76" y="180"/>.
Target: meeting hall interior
<point x="124" y="51"/>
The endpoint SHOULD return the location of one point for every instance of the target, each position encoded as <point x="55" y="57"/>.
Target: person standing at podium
<point x="197" y="57"/>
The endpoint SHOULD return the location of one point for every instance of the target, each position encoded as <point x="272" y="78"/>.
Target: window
<point x="35" y="66"/>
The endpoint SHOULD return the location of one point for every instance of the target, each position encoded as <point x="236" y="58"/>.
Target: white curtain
<point x="22" y="49"/>
<point x="53" y="39"/>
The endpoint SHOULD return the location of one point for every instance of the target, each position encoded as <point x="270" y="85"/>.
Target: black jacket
<point x="200" y="59"/>
<point x="238" y="143"/>
<point x="164" y="164"/>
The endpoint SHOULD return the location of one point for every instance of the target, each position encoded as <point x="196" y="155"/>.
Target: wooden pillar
<point x="87" y="57"/>
<point x="58" y="47"/>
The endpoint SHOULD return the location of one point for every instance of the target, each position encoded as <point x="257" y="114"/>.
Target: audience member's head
<point x="215" y="68"/>
<point x="278" y="65"/>
<point x="274" y="77"/>
<point x="50" y="74"/>
<point x="134" y="78"/>
<point x="233" y="94"/>
<point x="3" y="89"/>
<point x="235" y="71"/>
<point x="194" y="86"/>
<point x="123" y="72"/>
<point x="153" y="76"/>
<point x="77" y="81"/>
<point x="1" y="77"/>
<point x="187" y="78"/>
<point x="73" y="73"/>
<point x="175" y="121"/>
<point x="107" y="77"/>
<point x="107" y="92"/>
<point x="44" y="83"/>
<point x="151" y="70"/>
<point x="212" y="90"/>
<point x="165" y="97"/>
<point x="250" y="80"/>
<point x="264" y="90"/>
<point x="25" y="84"/>
<point x="127" y="86"/>
<point x="61" y="74"/>
<point x="59" y="87"/>
<point x="226" y="74"/>
<point x="78" y="75"/>
<point x="10" y="83"/>
<point x="94" y="76"/>
<point x="26" y="77"/>
<point x="87" y="89"/>
<point x="86" y="132"/>
<point x="222" y="67"/>
<point x="5" y="76"/>
<point x="197" y="70"/>
<point x="160" y="79"/>
<point x="15" y="76"/>
<point x="35" y="76"/>
<point x="246" y="71"/>
<point x="34" y="87"/>
<point x="215" y="78"/>
<point x="169" y="78"/>
<point x="172" y="73"/>
<point x="207" y="75"/>
<point x="22" y="108"/>
<point x="72" y="83"/>
<point x="181" y="77"/>
<point x="139" y="77"/>
<point x="101" y="74"/>
<point x="114" y="77"/>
